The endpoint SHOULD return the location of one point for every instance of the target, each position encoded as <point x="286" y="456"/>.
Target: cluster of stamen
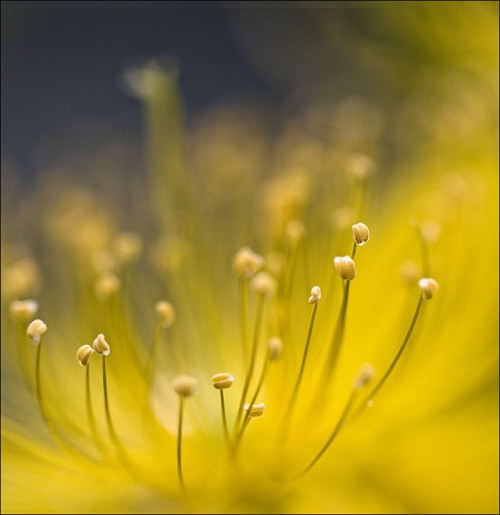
<point x="250" y="269"/>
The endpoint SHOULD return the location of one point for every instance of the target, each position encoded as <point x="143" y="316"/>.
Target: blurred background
<point x="62" y="62"/>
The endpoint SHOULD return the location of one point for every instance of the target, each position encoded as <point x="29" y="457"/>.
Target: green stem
<point x="252" y="402"/>
<point x="243" y="294"/>
<point x="179" y="442"/>
<point x="224" y="418"/>
<point x="354" y="248"/>
<point x="258" y="324"/>
<point x="399" y="353"/>
<point x="293" y="398"/>
<point x="90" y="411"/>
<point x="38" y="386"/>
<point x="335" y="432"/>
<point x="112" y="432"/>
<point x="149" y="368"/>
<point x="338" y="335"/>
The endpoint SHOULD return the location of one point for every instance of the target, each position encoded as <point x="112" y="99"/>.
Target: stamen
<point x="166" y="317"/>
<point x="107" y="285"/>
<point x="264" y="285"/>
<point x="347" y="270"/>
<point x="184" y="386"/>
<point x="83" y="355"/>
<point x="101" y="347"/>
<point x="274" y="348"/>
<point x="423" y="236"/>
<point x="222" y="381"/>
<point x="361" y="233"/>
<point x="294" y="233"/>
<point x="361" y="168"/>
<point x="346" y="267"/>
<point x="313" y="299"/>
<point x="251" y="411"/>
<point x="315" y="295"/>
<point x="127" y="246"/>
<point x="166" y="313"/>
<point x="35" y="331"/>
<point x="428" y="287"/>
<point x="364" y="376"/>
<point x="245" y="264"/>
<point x="255" y="410"/>
<point x="23" y="310"/>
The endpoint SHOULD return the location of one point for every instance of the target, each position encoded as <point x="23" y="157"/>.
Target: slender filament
<point x="90" y="411"/>
<point x="399" y="353"/>
<point x="258" y="324"/>
<point x="293" y="398"/>
<point x="179" y="443"/>
<point x="111" y="428"/>
<point x="334" y="433"/>
<point x="338" y="335"/>
<point x="224" y="418"/>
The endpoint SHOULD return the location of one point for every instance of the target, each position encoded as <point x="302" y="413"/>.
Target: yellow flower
<point x="381" y="398"/>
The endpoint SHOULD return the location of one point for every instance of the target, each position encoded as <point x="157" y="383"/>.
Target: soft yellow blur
<point x="430" y="442"/>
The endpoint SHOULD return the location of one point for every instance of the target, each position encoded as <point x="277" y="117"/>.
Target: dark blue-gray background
<point x="62" y="61"/>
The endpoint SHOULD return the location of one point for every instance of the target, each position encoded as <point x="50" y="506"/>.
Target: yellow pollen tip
<point x="428" y="286"/>
<point x="35" y="330"/>
<point x="275" y="346"/>
<point x="127" y="246"/>
<point x="23" y="310"/>
<point x="346" y="267"/>
<point x="263" y="284"/>
<point x="83" y="354"/>
<point x="361" y="233"/>
<point x="101" y="345"/>
<point x="185" y="386"/>
<point x="257" y="410"/>
<point x="246" y="263"/>
<point x="295" y="231"/>
<point x="222" y="380"/>
<point x="365" y="376"/>
<point x="107" y="284"/>
<point x="166" y="313"/>
<point x="315" y="295"/>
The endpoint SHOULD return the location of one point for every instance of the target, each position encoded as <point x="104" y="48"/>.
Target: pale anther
<point x="275" y="346"/>
<point x="127" y="246"/>
<point x="101" y="345"/>
<point x="185" y="386"/>
<point x="346" y="267"/>
<point x="23" y="310"/>
<point x="315" y="295"/>
<point x="365" y="375"/>
<point x="361" y="233"/>
<point x="263" y="284"/>
<point x="35" y="330"/>
<point x="246" y="263"/>
<point x="222" y="380"/>
<point x="428" y="286"/>
<point x="107" y="284"/>
<point x="83" y="354"/>
<point x="257" y="410"/>
<point x="166" y="313"/>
